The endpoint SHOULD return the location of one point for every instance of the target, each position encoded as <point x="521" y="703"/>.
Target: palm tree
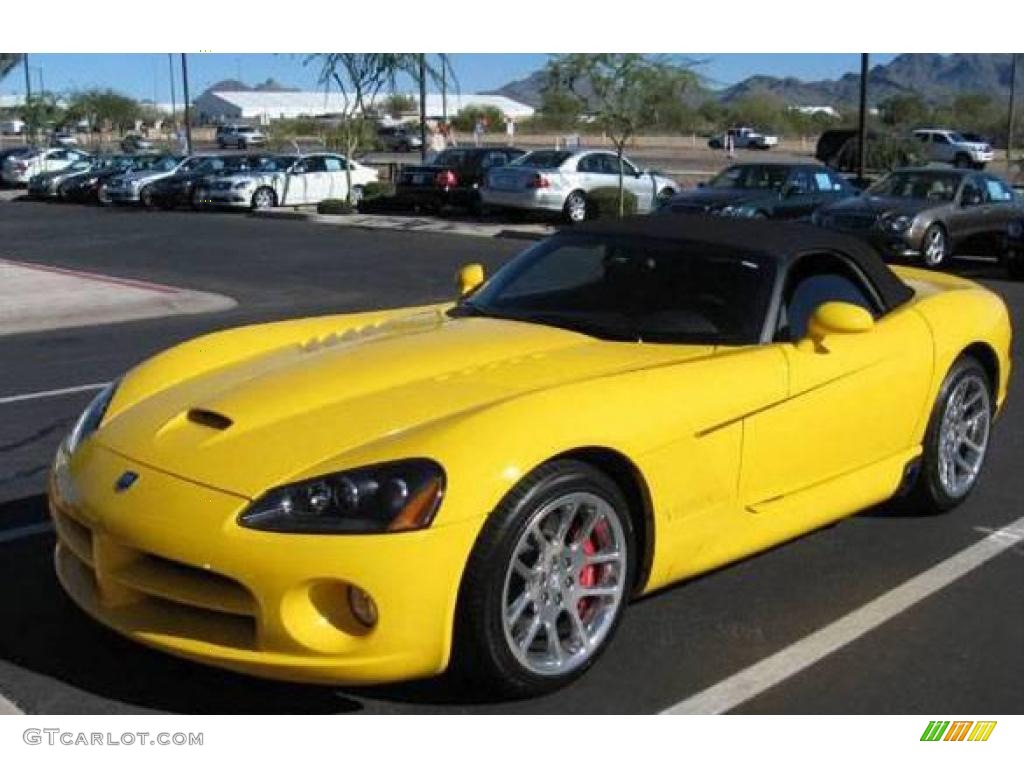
<point x="9" y="61"/>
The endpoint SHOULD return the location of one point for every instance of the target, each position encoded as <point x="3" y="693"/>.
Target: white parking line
<point x="769" y="672"/>
<point x="25" y="531"/>
<point x="7" y="399"/>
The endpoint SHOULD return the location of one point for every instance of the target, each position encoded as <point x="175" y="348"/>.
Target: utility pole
<point x="862" y="124"/>
<point x="423" y="108"/>
<point x="170" y="70"/>
<point x="28" y="97"/>
<point x="188" y="121"/>
<point x="444" y="88"/>
<point x="1009" y="119"/>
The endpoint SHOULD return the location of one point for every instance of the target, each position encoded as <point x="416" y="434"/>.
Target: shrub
<point x="603" y="203"/>
<point x="334" y="206"/>
<point x="377" y="189"/>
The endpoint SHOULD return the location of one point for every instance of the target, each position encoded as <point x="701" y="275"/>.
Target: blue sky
<point x="145" y="75"/>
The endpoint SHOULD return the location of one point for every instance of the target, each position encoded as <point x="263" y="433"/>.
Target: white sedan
<point x="288" y="180"/>
<point x="558" y="181"/>
<point x="19" y="169"/>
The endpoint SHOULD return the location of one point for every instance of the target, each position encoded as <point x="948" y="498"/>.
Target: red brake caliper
<point x="588" y="577"/>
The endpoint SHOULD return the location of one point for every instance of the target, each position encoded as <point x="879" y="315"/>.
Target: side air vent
<point x="209" y="419"/>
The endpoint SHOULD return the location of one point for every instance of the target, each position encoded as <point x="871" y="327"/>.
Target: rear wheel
<point x="956" y="441"/>
<point x="935" y="248"/>
<point x="547" y="580"/>
<point x="575" y="209"/>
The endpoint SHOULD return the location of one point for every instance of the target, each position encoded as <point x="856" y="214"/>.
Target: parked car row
<point x="928" y="214"/>
<point x="167" y="180"/>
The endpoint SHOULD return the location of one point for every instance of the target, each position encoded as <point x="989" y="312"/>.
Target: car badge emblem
<point x="125" y="481"/>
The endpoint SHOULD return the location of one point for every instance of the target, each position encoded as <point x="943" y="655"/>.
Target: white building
<point x="225" y="106"/>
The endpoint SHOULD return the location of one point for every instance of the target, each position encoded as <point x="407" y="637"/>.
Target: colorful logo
<point x="958" y="730"/>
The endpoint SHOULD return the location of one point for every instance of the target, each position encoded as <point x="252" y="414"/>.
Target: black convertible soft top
<point x="784" y="242"/>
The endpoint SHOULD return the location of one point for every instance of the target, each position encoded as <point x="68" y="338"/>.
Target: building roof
<point x="253" y="103"/>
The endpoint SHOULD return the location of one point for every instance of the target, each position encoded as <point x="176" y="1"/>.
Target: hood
<point x="708" y="198"/>
<point x="274" y="416"/>
<point x="877" y="206"/>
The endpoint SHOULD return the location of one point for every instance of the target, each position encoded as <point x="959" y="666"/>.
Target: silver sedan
<point x="559" y="181"/>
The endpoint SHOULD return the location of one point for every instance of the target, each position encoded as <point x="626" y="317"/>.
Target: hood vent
<point x="209" y="419"/>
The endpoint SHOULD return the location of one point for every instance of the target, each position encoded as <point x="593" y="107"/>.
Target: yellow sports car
<point x="373" y="497"/>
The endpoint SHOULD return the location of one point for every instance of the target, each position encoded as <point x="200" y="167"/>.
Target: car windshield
<point x="143" y="163"/>
<point x="918" y="185"/>
<point x="453" y="157"/>
<point x="766" y="177"/>
<point x="632" y="289"/>
<point x="542" y="159"/>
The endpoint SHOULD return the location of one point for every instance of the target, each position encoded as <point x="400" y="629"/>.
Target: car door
<point x="336" y="178"/>
<point x="969" y="213"/>
<point x="941" y="148"/>
<point x="1000" y="208"/>
<point x="853" y="401"/>
<point x="309" y="181"/>
<point x="800" y="195"/>
<point x="637" y="183"/>
<point x="589" y="175"/>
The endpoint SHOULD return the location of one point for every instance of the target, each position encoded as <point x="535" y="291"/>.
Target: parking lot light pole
<point x="862" y="123"/>
<point x="28" y="96"/>
<point x="1009" y="118"/>
<point x="188" y="121"/>
<point x="170" y="71"/>
<point x="423" y="108"/>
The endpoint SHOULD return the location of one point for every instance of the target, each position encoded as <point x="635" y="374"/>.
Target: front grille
<point x="166" y="596"/>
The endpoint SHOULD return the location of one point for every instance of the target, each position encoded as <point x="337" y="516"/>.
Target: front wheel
<point x="956" y="441"/>
<point x="935" y="247"/>
<point x="547" y="580"/>
<point x="575" y="209"/>
<point x="262" y="198"/>
<point x="146" y="198"/>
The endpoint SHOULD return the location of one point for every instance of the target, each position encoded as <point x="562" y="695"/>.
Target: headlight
<point x="242" y="184"/>
<point x="91" y="417"/>
<point x="395" y="496"/>
<point x="1015" y="229"/>
<point x="899" y="223"/>
<point x="91" y="180"/>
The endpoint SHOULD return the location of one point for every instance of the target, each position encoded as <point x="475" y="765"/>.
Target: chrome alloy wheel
<point x="263" y="198"/>
<point x="576" y="208"/>
<point x="934" y="247"/>
<point x="564" y="584"/>
<point x="964" y="434"/>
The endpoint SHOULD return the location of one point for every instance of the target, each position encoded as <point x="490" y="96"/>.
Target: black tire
<point x="941" y="256"/>
<point x="263" y="197"/>
<point x="146" y="198"/>
<point x="575" y="209"/>
<point x="929" y="495"/>
<point x="482" y="653"/>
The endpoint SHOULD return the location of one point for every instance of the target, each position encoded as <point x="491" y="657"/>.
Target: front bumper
<point x="235" y="198"/>
<point x="122" y="194"/>
<point x="165" y="563"/>
<point x="530" y="199"/>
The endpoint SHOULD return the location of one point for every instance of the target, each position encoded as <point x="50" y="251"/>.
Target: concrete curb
<point x="414" y="224"/>
<point x="10" y="195"/>
<point x="38" y="297"/>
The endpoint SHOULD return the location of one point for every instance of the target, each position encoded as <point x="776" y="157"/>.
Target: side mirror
<point x="835" y="318"/>
<point x="970" y="197"/>
<point x="469" y="278"/>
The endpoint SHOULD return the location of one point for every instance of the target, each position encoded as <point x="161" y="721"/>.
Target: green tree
<point x="621" y="91"/>
<point x="41" y="111"/>
<point x="466" y="119"/>
<point x="560" y="109"/>
<point x="104" y="106"/>
<point x="398" y="104"/>
<point x="905" y="111"/>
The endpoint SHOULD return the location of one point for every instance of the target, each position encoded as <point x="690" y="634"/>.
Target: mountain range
<point x="936" y="77"/>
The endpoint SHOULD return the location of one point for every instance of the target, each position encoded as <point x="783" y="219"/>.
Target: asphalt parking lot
<point x="957" y="651"/>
